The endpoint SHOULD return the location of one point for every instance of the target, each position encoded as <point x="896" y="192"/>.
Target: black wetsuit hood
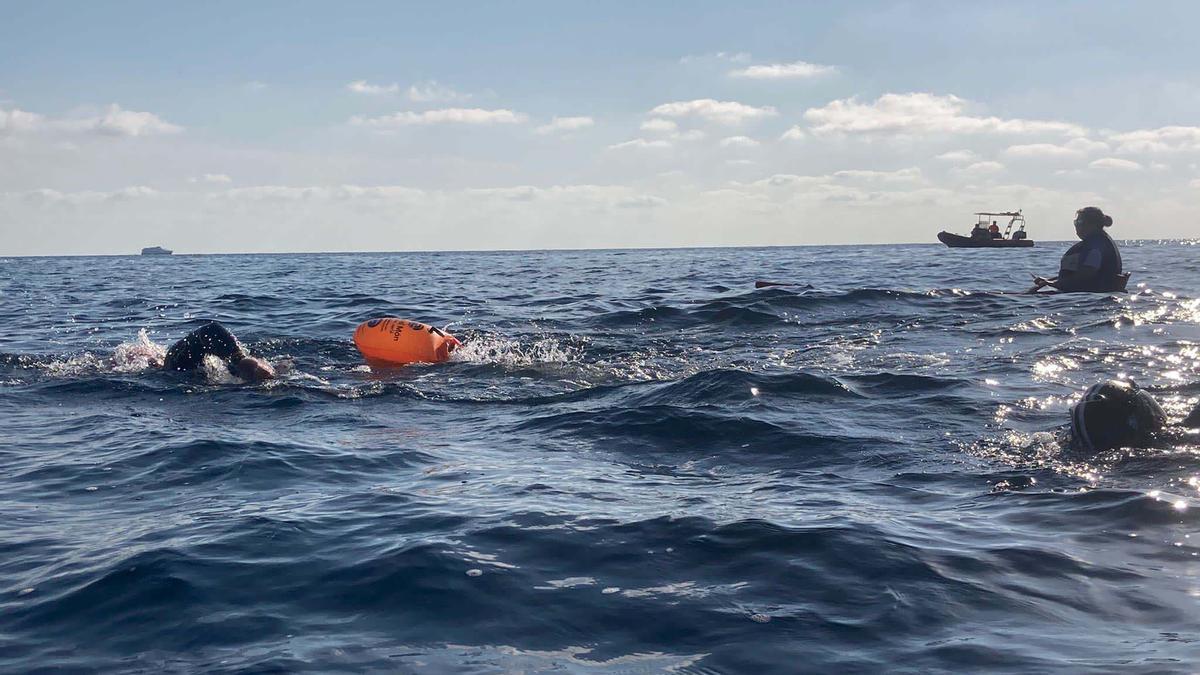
<point x="211" y="338"/>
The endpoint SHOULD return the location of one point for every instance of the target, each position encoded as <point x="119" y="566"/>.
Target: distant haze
<point x="272" y="126"/>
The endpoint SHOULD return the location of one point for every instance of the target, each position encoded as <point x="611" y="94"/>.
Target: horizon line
<point x="540" y="250"/>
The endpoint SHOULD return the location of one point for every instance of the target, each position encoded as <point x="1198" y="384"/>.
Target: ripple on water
<point x="637" y="462"/>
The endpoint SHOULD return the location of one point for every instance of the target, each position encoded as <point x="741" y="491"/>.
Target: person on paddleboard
<point x="213" y="339"/>
<point x="1091" y="266"/>
<point x="1119" y="414"/>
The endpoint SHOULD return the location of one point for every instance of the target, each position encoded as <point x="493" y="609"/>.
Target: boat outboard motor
<point x="1115" y="414"/>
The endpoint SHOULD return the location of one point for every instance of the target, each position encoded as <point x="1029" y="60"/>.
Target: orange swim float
<point x="392" y="341"/>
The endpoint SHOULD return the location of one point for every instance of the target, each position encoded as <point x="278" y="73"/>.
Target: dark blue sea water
<point x="639" y="463"/>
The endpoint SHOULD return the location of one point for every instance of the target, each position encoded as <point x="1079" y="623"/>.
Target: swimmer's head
<point x="1115" y="414"/>
<point x="254" y="369"/>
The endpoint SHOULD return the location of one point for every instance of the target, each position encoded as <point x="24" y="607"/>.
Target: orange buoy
<point x="392" y="341"/>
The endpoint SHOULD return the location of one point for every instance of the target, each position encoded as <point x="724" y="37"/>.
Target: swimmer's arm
<point x="1174" y="436"/>
<point x="1193" y="420"/>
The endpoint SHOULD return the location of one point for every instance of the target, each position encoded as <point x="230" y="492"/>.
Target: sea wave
<point x="636" y="462"/>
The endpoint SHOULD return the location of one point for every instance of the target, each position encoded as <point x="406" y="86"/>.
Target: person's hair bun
<point x="1094" y="216"/>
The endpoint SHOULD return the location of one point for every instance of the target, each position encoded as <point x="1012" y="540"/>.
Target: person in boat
<point x="994" y="230"/>
<point x="213" y="339"/>
<point x="1119" y="414"/>
<point x="1091" y="266"/>
<point x="979" y="231"/>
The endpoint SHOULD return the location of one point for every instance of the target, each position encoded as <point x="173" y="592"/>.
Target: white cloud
<point x="519" y="193"/>
<point x="640" y="202"/>
<point x="794" y="134"/>
<point x="421" y="92"/>
<point x="1041" y="150"/>
<point x="135" y="192"/>
<point x="254" y="85"/>
<point x="113" y="121"/>
<point x="984" y="167"/>
<point x="679" y="211"/>
<point x="640" y="144"/>
<point x="1074" y="148"/>
<point x="1116" y="164"/>
<point x="902" y="175"/>
<point x="1163" y="139"/>
<point x="784" y="71"/>
<point x="363" y="87"/>
<point x="739" y="142"/>
<point x="615" y="196"/>
<point x="659" y="124"/>
<point x="922" y="113"/>
<point x="212" y="178"/>
<point x="958" y="156"/>
<point x="559" y="124"/>
<point x="336" y="193"/>
<point x="735" y="57"/>
<point x="118" y="122"/>
<point x="1087" y="145"/>
<point x="18" y="121"/>
<point x="444" y="116"/>
<point x="669" y="129"/>
<point x="788" y="180"/>
<point x="48" y="197"/>
<point x="722" y="112"/>
<point x="433" y="92"/>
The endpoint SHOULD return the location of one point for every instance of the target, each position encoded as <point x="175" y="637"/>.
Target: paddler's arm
<point x="1041" y="282"/>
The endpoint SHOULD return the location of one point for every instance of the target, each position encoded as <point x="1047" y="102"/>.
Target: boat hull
<point x="958" y="241"/>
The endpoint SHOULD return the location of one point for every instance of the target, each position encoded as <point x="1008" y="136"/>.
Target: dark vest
<point x="1110" y="263"/>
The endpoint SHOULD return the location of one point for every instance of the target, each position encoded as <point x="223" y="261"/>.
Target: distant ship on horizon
<point x="156" y="250"/>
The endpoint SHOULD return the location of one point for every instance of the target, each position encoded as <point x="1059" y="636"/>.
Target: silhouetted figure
<point x="1091" y="266"/>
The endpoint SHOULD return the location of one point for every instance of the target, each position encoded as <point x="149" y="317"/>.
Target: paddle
<point x="1038" y="284"/>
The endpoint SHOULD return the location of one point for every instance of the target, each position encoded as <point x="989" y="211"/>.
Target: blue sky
<point x="267" y="126"/>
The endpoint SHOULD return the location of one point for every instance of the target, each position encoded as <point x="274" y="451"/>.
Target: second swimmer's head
<point x="1115" y="414"/>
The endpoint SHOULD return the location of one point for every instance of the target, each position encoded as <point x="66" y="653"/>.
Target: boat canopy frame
<point x="1015" y="218"/>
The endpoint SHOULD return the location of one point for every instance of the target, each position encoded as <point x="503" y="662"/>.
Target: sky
<point x="385" y="126"/>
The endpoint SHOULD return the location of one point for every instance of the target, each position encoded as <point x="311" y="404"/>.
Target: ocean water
<point x="638" y="463"/>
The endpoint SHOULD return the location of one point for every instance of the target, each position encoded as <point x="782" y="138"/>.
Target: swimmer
<point x="1118" y="414"/>
<point x="214" y="339"/>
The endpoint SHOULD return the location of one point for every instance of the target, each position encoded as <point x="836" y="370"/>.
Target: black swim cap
<point x="1092" y="215"/>
<point x="1115" y="414"/>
